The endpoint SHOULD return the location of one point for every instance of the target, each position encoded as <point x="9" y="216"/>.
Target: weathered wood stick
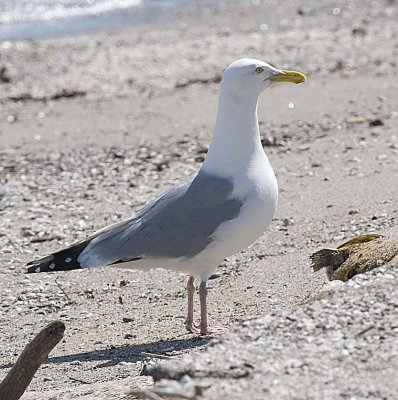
<point x="33" y="355"/>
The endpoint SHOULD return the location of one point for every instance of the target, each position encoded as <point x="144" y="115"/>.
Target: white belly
<point x="259" y="191"/>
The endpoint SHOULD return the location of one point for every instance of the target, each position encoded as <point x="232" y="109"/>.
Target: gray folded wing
<point x="179" y="223"/>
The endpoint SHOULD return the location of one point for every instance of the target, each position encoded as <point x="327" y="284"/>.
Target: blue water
<point x="29" y="19"/>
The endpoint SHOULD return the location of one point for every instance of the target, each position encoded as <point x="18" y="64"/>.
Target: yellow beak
<point x="288" y="76"/>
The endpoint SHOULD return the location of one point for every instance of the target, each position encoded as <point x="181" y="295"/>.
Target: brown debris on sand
<point x="356" y="256"/>
<point x="21" y="374"/>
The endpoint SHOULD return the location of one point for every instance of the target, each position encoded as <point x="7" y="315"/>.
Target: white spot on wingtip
<point x="37" y="269"/>
<point x="51" y="266"/>
<point x="68" y="260"/>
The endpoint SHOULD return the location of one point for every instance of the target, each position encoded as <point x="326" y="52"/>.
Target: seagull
<point x="217" y="212"/>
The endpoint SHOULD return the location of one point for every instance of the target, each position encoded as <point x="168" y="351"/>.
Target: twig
<point x="144" y="394"/>
<point x="33" y="355"/>
<point x="78" y="380"/>
<point x="63" y="291"/>
<point x="363" y="331"/>
<point x="161" y="393"/>
<point x="157" y="394"/>
<point x="151" y="355"/>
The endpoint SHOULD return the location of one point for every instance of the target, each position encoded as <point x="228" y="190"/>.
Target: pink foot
<point x="212" y="330"/>
<point x="191" y="327"/>
<point x="204" y="331"/>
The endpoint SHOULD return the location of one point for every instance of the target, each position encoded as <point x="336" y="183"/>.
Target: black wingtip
<point x="63" y="260"/>
<point x="40" y="261"/>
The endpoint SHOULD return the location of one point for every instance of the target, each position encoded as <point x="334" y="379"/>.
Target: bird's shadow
<point x="129" y="353"/>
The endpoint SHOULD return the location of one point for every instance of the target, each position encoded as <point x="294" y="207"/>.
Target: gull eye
<point x="259" y="70"/>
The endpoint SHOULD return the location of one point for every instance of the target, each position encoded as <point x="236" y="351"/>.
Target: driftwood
<point x="360" y="254"/>
<point x="34" y="354"/>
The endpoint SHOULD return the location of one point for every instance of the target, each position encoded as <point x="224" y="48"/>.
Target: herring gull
<point x="215" y="213"/>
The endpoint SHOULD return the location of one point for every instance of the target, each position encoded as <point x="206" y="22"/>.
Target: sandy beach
<point x="93" y="126"/>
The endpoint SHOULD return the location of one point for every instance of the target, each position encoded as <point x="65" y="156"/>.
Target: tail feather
<point x="63" y="260"/>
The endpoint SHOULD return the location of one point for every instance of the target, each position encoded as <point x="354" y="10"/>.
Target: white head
<point x="253" y="76"/>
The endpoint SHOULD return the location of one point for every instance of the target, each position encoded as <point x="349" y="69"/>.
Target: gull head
<point x="253" y="76"/>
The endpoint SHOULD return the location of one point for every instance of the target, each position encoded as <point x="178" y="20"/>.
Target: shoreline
<point x="144" y="15"/>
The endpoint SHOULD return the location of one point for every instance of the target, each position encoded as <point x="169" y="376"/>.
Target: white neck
<point x="236" y="136"/>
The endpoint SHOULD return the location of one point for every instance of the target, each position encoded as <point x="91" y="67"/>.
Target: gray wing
<point x="179" y="223"/>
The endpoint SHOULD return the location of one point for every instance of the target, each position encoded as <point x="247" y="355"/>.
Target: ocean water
<point x="20" y="11"/>
<point x="27" y="19"/>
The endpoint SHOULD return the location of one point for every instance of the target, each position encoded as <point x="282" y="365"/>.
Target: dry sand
<point x="93" y="126"/>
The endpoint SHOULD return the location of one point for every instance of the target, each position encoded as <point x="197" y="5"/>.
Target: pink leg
<point x="203" y="308"/>
<point x="204" y="326"/>
<point x="190" y="292"/>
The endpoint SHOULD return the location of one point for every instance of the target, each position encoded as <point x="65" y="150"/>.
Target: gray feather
<point x="179" y="223"/>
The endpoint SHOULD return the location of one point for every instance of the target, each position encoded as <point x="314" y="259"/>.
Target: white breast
<point x="258" y="189"/>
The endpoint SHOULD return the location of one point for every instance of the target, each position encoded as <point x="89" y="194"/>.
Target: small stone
<point x="359" y="31"/>
<point x="268" y="140"/>
<point x="125" y="364"/>
<point x="12" y="118"/>
<point x="352" y="212"/>
<point x="288" y="221"/>
<point x="376" y="122"/>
